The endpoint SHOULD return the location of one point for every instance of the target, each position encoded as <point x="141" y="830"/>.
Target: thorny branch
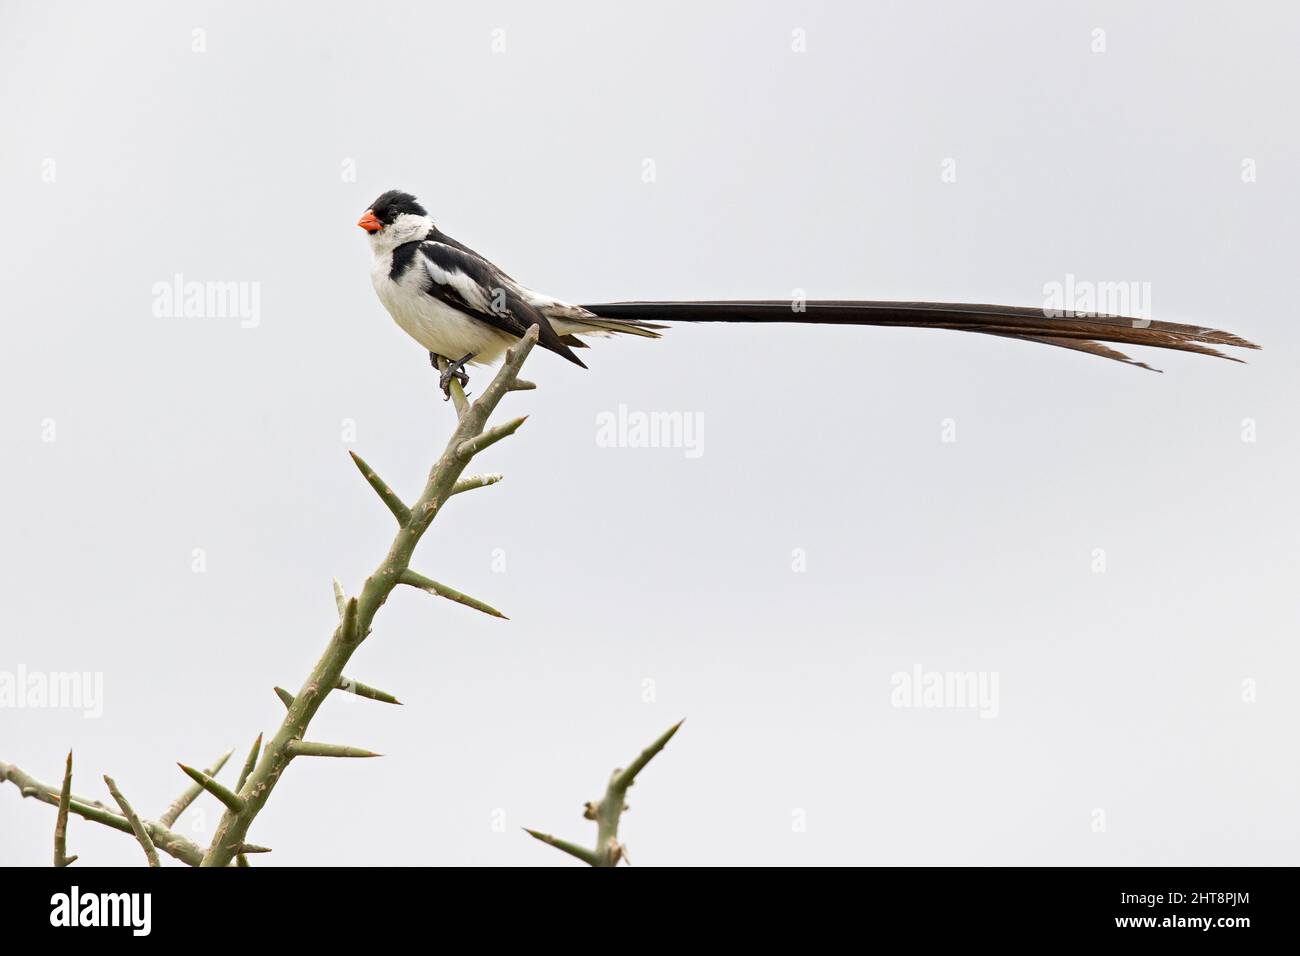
<point x="608" y="811"/>
<point x="266" y="763"/>
<point x="359" y="611"/>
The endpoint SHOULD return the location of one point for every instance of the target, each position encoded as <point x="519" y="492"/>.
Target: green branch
<point x="348" y="635"/>
<point x="266" y="763"/>
<point x="171" y="843"/>
<point x="609" y="811"/>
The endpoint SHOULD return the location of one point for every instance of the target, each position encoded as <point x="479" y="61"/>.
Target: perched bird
<point x="462" y="308"/>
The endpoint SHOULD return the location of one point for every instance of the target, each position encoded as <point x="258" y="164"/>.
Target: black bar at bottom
<point x="276" y="904"/>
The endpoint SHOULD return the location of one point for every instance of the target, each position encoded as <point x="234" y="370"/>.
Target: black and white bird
<point x="462" y="308"/>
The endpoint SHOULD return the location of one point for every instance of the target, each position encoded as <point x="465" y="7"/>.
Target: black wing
<point x="464" y="280"/>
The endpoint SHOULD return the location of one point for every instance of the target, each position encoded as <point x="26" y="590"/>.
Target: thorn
<point x="583" y="854"/>
<point x="249" y="763"/>
<point x="307" y="748"/>
<point x="386" y="494"/>
<point x="472" y="446"/>
<point x="220" y="791"/>
<point x="417" y="580"/>
<point x="340" y="599"/>
<point x="137" y="827"/>
<point x="349" y="624"/>
<point x="622" y="779"/>
<point x="363" y="690"/>
<point x="61" y="857"/>
<point x="179" y="806"/>
<point x="475" y="481"/>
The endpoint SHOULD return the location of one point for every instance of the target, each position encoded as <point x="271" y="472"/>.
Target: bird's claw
<point x="454" y="371"/>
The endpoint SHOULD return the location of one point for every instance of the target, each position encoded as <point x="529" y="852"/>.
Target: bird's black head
<point x="385" y="210"/>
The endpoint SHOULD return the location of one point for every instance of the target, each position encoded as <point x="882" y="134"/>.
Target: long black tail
<point x="1079" y="332"/>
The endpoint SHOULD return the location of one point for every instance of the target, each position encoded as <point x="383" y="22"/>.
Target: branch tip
<point x="624" y="778"/>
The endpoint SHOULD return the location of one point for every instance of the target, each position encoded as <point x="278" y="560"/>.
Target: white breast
<point x="435" y="325"/>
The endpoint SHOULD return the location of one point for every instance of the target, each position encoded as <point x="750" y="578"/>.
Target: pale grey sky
<point x="1118" y="549"/>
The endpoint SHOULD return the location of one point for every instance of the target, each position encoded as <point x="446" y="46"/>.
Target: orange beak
<point x="369" y="223"/>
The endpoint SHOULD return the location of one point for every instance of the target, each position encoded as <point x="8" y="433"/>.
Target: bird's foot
<point x="454" y="371"/>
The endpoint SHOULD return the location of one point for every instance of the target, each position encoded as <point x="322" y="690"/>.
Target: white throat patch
<point x="405" y="227"/>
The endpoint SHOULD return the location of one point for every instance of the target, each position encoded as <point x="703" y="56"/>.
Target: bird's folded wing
<point x="470" y="284"/>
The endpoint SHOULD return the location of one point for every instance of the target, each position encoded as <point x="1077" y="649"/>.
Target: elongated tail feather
<point x="1083" y="333"/>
